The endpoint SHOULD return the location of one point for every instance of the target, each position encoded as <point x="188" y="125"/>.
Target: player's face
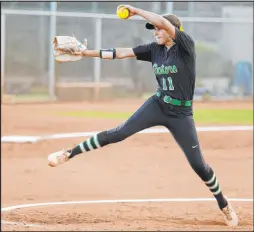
<point x="161" y="36"/>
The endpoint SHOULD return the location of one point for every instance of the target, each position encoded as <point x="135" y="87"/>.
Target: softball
<point x="122" y="13"/>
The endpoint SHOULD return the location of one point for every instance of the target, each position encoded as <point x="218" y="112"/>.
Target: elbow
<point x="124" y="53"/>
<point x="167" y="26"/>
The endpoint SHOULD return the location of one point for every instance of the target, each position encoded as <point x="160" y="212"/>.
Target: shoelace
<point x="228" y="212"/>
<point x="63" y="157"/>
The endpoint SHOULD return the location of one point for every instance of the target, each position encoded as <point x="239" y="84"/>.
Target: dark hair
<point x="171" y="18"/>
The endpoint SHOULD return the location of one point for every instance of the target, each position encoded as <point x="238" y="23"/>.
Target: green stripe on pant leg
<point x="211" y="180"/>
<point x="93" y="143"/>
<point x="214" y="185"/>
<point x="88" y="142"/>
<point x="97" y="144"/>
<point x="82" y="148"/>
<point x="217" y="191"/>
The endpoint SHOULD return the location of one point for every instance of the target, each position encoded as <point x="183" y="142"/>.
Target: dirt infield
<point x="144" y="166"/>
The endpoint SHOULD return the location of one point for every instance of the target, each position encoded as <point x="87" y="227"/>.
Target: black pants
<point x="182" y="128"/>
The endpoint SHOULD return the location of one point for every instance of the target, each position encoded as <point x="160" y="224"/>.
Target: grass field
<point x="225" y="116"/>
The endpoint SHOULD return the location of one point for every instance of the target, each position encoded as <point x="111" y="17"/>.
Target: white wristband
<point x="108" y="54"/>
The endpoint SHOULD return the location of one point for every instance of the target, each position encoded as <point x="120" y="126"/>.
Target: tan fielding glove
<point x="68" y="48"/>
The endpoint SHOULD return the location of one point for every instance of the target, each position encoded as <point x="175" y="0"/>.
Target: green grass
<point x="97" y="114"/>
<point x="220" y="116"/>
<point x="226" y="116"/>
<point x="36" y="97"/>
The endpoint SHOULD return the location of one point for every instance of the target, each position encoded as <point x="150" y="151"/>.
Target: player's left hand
<point x="68" y="48"/>
<point x="132" y="9"/>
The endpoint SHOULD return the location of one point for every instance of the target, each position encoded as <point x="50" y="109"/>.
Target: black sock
<point x="88" y="145"/>
<point x="214" y="187"/>
<point x="222" y="202"/>
<point x="75" y="151"/>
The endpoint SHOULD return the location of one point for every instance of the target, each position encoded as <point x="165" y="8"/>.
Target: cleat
<point x="59" y="157"/>
<point x="230" y="216"/>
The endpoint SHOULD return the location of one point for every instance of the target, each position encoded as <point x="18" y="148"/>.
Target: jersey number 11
<point x="170" y="83"/>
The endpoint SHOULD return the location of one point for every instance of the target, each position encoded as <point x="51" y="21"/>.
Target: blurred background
<point x="223" y="32"/>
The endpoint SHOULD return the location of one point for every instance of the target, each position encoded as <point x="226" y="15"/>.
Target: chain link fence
<point x="224" y="54"/>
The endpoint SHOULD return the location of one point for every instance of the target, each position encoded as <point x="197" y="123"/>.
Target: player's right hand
<point x="132" y="9"/>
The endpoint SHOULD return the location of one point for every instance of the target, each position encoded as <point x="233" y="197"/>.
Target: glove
<point x="68" y="48"/>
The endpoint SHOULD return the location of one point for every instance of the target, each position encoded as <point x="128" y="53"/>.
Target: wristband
<point x="108" y="54"/>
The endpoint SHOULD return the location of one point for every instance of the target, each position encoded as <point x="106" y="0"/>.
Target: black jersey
<point x="174" y="68"/>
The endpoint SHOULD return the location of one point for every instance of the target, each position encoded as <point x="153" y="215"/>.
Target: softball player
<point x="173" y="60"/>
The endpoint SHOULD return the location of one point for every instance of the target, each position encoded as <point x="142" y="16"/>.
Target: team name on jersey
<point x="159" y="70"/>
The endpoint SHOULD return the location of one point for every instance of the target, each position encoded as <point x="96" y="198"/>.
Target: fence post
<point x="52" y="33"/>
<point x="97" y="61"/>
<point x="191" y="13"/>
<point x="3" y="37"/>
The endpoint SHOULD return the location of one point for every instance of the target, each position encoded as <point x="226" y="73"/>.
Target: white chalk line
<point x="33" y="139"/>
<point x="22" y="224"/>
<point x="10" y="208"/>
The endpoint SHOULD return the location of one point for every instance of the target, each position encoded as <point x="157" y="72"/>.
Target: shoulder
<point x="156" y="47"/>
<point x="182" y="35"/>
<point x="185" y="42"/>
<point x="153" y="46"/>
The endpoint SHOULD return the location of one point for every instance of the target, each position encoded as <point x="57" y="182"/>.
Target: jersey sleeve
<point x="144" y="52"/>
<point x="185" y="42"/>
